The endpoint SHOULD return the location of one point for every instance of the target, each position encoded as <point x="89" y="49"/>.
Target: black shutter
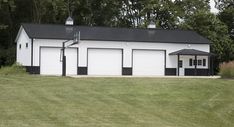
<point x="190" y="62"/>
<point x="204" y="62"/>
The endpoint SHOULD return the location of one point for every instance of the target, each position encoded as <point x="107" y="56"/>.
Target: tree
<point x="223" y="4"/>
<point x="226" y="15"/>
<point x="208" y="25"/>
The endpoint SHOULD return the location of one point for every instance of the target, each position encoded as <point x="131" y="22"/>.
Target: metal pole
<point x="195" y="71"/>
<point x="63" y="61"/>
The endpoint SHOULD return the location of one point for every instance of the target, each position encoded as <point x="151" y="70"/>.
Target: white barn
<point x="113" y="51"/>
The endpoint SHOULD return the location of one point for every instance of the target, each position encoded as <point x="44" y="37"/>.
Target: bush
<point x="13" y="70"/>
<point x="227" y="70"/>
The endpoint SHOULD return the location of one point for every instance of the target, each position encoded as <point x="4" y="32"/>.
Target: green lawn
<point x="35" y="101"/>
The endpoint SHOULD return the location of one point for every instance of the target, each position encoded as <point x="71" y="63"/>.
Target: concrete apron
<point x="105" y="76"/>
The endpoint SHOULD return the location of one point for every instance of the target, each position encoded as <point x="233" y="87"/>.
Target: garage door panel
<point x="148" y="62"/>
<point x="51" y="61"/>
<point x="104" y="62"/>
<point x="71" y="62"/>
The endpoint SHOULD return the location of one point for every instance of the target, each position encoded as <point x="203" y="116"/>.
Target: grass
<point x="35" y="101"/>
<point x="13" y="69"/>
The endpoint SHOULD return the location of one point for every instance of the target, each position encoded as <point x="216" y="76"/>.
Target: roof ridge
<point x="156" y="29"/>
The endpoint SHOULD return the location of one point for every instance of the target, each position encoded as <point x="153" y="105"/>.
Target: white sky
<point x="212" y="5"/>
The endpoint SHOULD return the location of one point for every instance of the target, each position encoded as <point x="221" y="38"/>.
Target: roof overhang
<point x="191" y="52"/>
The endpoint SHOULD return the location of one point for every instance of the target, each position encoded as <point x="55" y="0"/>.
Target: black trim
<point x="104" y="49"/>
<point x="82" y="70"/>
<point x="127" y="71"/>
<point x="170" y="71"/>
<point x="33" y="69"/>
<point x="152" y="50"/>
<point x="32" y="51"/>
<point x="56" y="47"/>
<point x="196" y="72"/>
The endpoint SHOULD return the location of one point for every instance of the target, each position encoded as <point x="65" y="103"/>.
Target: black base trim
<point x="33" y="69"/>
<point x="200" y="72"/>
<point x="170" y="71"/>
<point x="127" y="71"/>
<point x="82" y="70"/>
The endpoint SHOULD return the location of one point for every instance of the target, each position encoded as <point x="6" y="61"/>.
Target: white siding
<point x="171" y="61"/>
<point x="23" y="56"/>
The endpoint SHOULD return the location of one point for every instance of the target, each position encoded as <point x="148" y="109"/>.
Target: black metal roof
<point x="48" y="31"/>
<point x="191" y="52"/>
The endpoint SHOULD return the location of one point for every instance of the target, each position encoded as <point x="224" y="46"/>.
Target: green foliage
<point x="14" y="69"/>
<point x="227" y="16"/>
<point x="227" y="70"/>
<point x="224" y="4"/>
<point x="211" y="27"/>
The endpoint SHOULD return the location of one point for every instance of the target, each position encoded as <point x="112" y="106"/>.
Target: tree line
<point x="167" y="14"/>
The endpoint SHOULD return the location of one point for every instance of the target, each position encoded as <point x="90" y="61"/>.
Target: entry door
<point x="148" y="62"/>
<point x="181" y="67"/>
<point x="104" y="61"/>
<point x="51" y="64"/>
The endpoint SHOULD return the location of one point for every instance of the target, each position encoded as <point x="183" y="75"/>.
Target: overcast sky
<point x="213" y="9"/>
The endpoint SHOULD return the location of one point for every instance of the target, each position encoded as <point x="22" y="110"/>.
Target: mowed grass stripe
<point x="158" y="102"/>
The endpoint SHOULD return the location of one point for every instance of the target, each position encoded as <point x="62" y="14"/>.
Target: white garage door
<point x="148" y="62"/>
<point x="51" y="61"/>
<point x="104" y="62"/>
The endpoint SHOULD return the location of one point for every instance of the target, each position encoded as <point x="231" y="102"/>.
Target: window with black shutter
<point x="190" y="62"/>
<point x="19" y="46"/>
<point x="194" y="62"/>
<point x="180" y="63"/>
<point x="26" y="45"/>
<point x="204" y="62"/>
<point x="199" y="62"/>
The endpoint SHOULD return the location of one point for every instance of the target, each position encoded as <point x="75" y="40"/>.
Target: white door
<point x="148" y="63"/>
<point x="104" y="62"/>
<point x="51" y="61"/>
